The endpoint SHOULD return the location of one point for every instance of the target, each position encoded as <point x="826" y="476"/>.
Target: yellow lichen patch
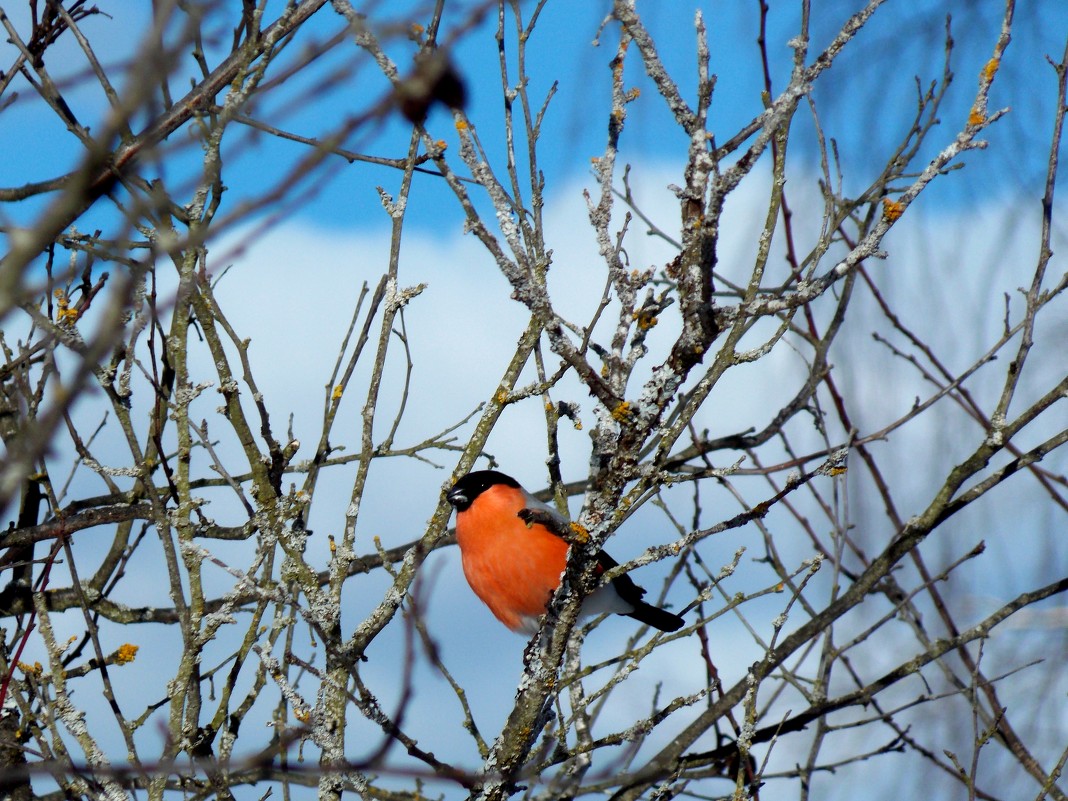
<point x="633" y="94"/>
<point x="441" y="145"/>
<point x="990" y="69"/>
<point x="337" y="393"/>
<point x="303" y="715"/>
<point x="836" y="471"/>
<point x="31" y="670"/>
<point x="976" y="117"/>
<point x="892" y="209"/>
<point x="461" y="124"/>
<point x="501" y="397"/>
<point x="621" y="412"/>
<point x="645" y="320"/>
<point x="126" y="653"/>
<point x="65" y="315"/>
<point x="580" y="531"/>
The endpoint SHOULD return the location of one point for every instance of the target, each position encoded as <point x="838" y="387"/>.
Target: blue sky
<point x="865" y="100"/>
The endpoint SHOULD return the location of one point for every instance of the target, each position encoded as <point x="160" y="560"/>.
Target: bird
<point x="514" y="566"/>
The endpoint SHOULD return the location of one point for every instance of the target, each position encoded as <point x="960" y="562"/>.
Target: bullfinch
<point x="515" y="567"/>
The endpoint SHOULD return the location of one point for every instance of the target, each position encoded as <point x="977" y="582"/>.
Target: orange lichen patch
<point x="976" y="116"/>
<point x="622" y="411"/>
<point x="461" y="124"/>
<point x="65" y="315"/>
<point x="126" y="653"/>
<point x="990" y="69"/>
<point x="645" y="320"/>
<point x="581" y="533"/>
<point x="892" y="209"/>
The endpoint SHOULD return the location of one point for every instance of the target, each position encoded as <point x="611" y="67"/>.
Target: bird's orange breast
<point x="513" y="568"/>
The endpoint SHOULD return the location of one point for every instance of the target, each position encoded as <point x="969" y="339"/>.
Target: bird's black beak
<point x="456" y="497"/>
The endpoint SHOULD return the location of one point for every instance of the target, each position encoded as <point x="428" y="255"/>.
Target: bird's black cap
<point x="464" y="491"/>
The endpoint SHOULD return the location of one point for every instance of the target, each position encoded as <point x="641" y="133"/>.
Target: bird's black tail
<point x="631" y="593"/>
<point x="655" y="617"/>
